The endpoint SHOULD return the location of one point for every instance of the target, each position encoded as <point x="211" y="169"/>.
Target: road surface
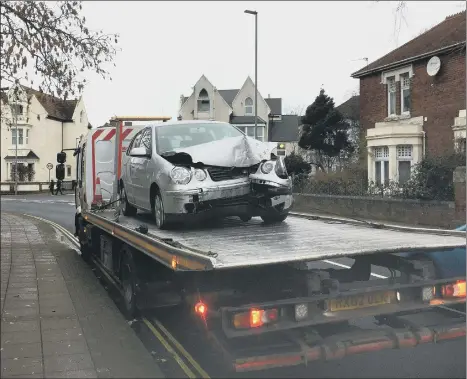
<point x="447" y="361"/>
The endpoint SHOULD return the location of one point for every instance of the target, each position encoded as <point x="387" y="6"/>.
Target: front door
<point x="140" y="174"/>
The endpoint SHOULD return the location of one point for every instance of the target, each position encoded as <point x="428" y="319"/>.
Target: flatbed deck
<point x="232" y="243"/>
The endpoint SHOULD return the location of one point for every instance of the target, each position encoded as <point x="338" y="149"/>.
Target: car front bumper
<point x="235" y="199"/>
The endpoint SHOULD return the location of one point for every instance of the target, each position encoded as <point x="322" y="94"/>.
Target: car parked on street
<point x="187" y="170"/>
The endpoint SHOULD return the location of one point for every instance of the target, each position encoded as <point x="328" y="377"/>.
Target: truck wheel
<point x="273" y="218"/>
<point x="129" y="282"/>
<point x="158" y="211"/>
<point x="127" y="208"/>
<point x="245" y="218"/>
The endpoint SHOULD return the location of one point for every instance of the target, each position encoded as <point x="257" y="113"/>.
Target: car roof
<point x="185" y="122"/>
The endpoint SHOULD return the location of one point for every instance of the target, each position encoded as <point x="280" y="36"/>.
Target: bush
<point x="432" y="179"/>
<point x="353" y="181"/>
<point x="296" y="165"/>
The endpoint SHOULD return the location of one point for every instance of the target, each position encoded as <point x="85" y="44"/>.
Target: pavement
<point x="57" y="319"/>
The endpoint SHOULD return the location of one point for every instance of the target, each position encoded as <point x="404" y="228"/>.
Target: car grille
<point x="219" y="174"/>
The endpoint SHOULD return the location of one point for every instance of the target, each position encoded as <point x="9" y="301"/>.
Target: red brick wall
<point x="438" y="98"/>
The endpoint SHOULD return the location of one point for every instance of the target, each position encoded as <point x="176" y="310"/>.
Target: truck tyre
<point x="274" y="217"/>
<point x="158" y="211"/>
<point x="127" y="208"/>
<point x="129" y="283"/>
<point x="245" y="218"/>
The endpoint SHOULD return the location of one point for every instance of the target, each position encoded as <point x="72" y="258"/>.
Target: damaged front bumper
<point x="249" y="198"/>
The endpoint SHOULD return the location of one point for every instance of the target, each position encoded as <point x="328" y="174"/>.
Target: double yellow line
<point x="159" y="332"/>
<point x="156" y="328"/>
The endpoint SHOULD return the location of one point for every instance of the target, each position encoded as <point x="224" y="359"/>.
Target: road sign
<point x="49" y="166"/>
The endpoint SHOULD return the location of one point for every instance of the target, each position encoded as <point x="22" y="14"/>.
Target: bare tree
<point x="51" y="40"/>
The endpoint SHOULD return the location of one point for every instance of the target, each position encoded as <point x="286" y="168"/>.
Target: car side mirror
<point x="140" y="152"/>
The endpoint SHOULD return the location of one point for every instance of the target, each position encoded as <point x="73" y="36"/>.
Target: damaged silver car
<point x="192" y="170"/>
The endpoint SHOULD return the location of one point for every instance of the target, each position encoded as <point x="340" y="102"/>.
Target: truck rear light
<point x="201" y="309"/>
<point x="456" y="289"/>
<point x="255" y="318"/>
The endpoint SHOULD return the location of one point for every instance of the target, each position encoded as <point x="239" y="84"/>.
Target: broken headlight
<point x="267" y="167"/>
<point x="180" y="175"/>
<point x="200" y="175"/>
<point x="281" y="170"/>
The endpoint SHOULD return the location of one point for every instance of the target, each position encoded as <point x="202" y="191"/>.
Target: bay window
<point x="381" y="165"/>
<point x="17" y="136"/>
<point x="404" y="162"/>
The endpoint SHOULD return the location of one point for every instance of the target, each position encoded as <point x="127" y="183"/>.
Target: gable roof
<point x="351" y="108"/>
<point x="275" y="104"/>
<point x="56" y="108"/>
<point x="446" y="35"/>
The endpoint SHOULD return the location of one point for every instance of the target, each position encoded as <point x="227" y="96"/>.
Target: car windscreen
<point x="171" y="137"/>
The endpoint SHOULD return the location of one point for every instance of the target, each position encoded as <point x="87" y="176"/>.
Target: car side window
<point x="146" y="139"/>
<point x="134" y="143"/>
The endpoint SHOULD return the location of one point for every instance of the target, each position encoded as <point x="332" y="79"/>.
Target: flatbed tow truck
<point x="261" y="293"/>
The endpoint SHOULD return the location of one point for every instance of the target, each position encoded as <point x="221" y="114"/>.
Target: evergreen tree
<point x="324" y="131"/>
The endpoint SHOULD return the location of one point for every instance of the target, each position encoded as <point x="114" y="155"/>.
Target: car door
<point x="129" y="172"/>
<point x="141" y="176"/>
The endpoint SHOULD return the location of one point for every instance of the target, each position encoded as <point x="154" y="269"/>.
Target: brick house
<point x="413" y="101"/>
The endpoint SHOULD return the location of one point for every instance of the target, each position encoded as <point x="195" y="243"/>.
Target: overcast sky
<point x="167" y="46"/>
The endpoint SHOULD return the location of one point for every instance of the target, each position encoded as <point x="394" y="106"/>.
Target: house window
<point x="203" y="101"/>
<point x="405" y="93"/>
<point x="404" y="162"/>
<point x="27" y="136"/>
<point x="81" y="117"/>
<point x="381" y="165"/>
<point x="68" y="171"/>
<point x="260" y="133"/>
<point x="17" y="109"/>
<point x="20" y="136"/>
<point x="248" y="106"/>
<point x="461" y="146"/>
<point x="391" y="96"/>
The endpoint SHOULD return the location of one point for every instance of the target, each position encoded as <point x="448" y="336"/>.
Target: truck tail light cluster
<point x="454" y="290"/>
<point x="255" y="318"/>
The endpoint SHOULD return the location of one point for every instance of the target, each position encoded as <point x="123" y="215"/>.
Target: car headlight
<point x="281" y="170"/>
<point x="200" y="174"/>
<point x="267" y="167"/>
<point x="180" y="175"/>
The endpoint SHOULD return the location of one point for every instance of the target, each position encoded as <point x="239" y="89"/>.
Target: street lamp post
<point x="255" y="13"/>
<point x="16" y="144"/>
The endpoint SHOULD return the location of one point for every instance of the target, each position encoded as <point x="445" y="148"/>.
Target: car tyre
<point x="274" y="217"/>
<point x="127" y="208"/>
<point x="158" y="212"/>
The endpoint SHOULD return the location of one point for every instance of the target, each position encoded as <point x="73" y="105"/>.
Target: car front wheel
<point x="158" y="211"/>
<point x="274" y="217"/>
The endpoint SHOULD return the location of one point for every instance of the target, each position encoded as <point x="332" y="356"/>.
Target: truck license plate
<point x="360" y="301"/>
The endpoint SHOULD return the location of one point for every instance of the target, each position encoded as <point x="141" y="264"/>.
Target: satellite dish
<point x="433" y="66"/>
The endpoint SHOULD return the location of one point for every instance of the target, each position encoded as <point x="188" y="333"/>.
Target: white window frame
<point x="405" y="82"/>
<point x="19" y="131"/>
<point x="249" y="108"/>
<point x="260" y="137"/>
<point x="381" y="154"/>
<point x="404" y="153"/>
<point x="203" y="100"/>
<point x="392" y="91"/>
<point x="27" y="137"/>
